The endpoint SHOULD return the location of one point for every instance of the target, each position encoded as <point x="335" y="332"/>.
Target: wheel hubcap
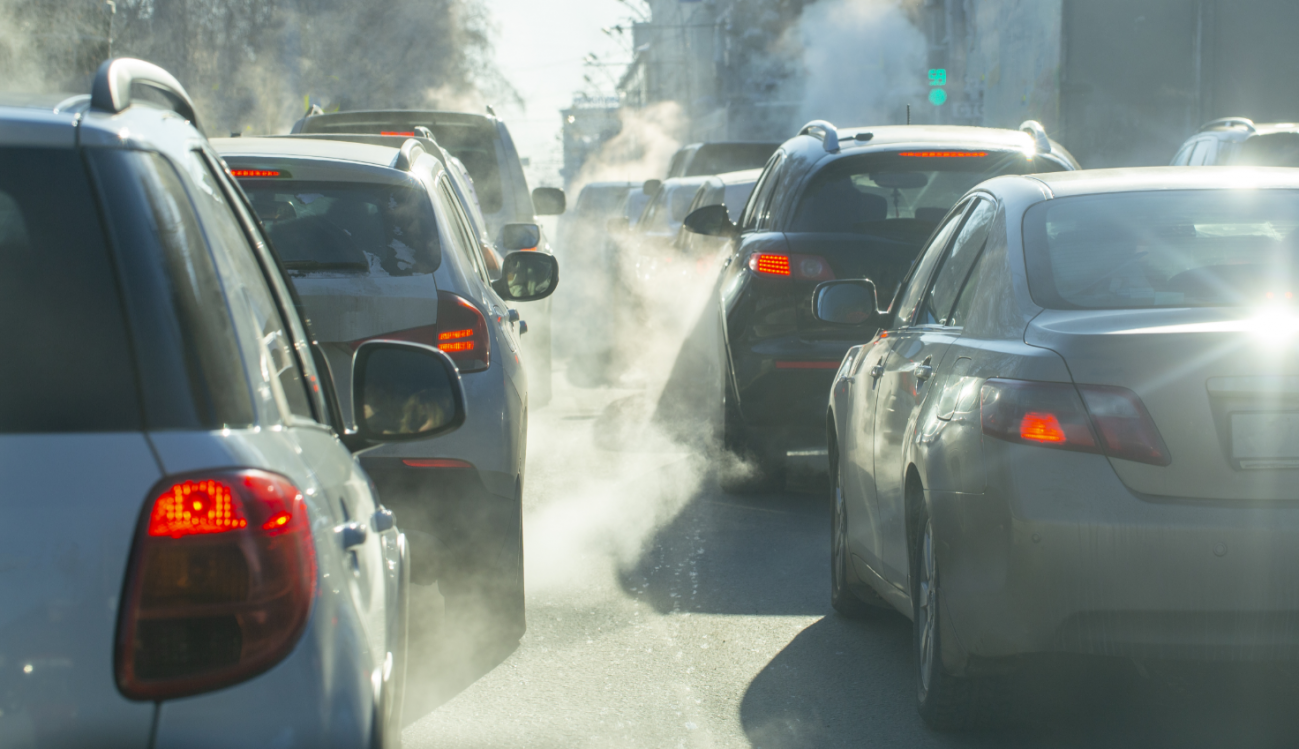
<point x="927" y="607"/>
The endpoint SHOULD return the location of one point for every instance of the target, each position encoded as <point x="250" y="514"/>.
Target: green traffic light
<point x="937" y="97"/>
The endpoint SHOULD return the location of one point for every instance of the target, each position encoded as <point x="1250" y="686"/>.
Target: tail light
<point x="1106" y="420"/>
<point x="220" y="584"/>
<point x="436" y="463"/>
<point x="462" y="333"/>
<point x="800" y="267"/>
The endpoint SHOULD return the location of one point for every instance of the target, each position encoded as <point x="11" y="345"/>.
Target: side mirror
<point x="548" y="201"/>
<point x="403" y="392"/>
<point x="847" y="303"/>
<point x="651" y="186"/>
<point x="618" y="225"/>
<point x="527" y="276"/>
<point x="712" y="220"/>
<point x="520" y="237"/>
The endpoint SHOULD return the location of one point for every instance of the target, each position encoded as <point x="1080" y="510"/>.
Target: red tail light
<point x="462" y="333"/>
<point x="944" y="154"/>
<point x="220" y="584"/>
<point x="436" y="463"/>
<point x="406" y="133"/>
<point x="256" y="173"/>
<point x="1052" y="414"/>
<point x="800" y="267"/>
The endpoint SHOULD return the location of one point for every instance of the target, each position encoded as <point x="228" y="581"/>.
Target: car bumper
<point x="784" y="386"/>
<point x="1058" y="556"/>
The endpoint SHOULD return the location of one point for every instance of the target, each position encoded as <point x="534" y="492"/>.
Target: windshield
<point x="878" y="193"/>
<point x="720" y="158"/>
<point x="355" y="227"/>
<point x="1204" y="248"/>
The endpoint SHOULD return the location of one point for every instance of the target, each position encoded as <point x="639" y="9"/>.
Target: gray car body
<point x="494" y="435"/>
<point x="1049" y="551"/>
<point x="69" y="530"/>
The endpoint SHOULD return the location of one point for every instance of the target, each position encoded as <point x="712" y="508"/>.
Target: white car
<point x="188" y="535"/>
<point x="355" y="225"/>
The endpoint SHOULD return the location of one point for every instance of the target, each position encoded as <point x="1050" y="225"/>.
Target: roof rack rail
<point x="410" y="152"/>
<point x="1244" y="122"/>
<point x="1038" y="133"/>
<point x="491" y="111"/>
<point x="828" y="134"/>
<point x="111" y="90"/>
<point x="424" y="132"/>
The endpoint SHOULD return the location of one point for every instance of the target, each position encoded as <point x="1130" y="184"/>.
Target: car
<point x="352" y="223"/>
<point x="731" y="190"/>
<point x="831" y="203"/>
<point x="656" y="230"/>
<point x="189" y="534"/>
<point x="703" y="159"/>
<point x="1238" y="141"/>
<point x="484" y="145"/>
<point x="1073" y="434"/>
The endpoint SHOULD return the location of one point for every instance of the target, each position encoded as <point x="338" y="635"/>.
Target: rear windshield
<point x="720" y="158"/>
<point x="669" y="208"/>
<point x="354" y="227"/>
<point x="67" y="364"/>
<point x="1277" y="149"/>
<point x="1201" y="248"/>
<point x="474" y="143"/>
<point x="884" y="194"/>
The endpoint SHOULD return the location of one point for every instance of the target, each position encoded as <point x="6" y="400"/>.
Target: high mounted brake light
<point x="258" y="173"/>
<point x="403" y="133"/>
<point x="944" y="154"/>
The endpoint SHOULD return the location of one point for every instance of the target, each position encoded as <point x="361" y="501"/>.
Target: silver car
<point x="1077" y="429"/>
<point x="355" y="226"/>
<point x="187" y="533"/>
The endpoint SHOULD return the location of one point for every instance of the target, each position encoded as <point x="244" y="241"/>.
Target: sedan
<point x="1076" y="431"/>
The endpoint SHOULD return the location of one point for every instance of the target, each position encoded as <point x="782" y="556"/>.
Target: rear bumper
<point x="784" y="386"/>
<point x="1058" y="556"/>
<point x="450" y="517"/>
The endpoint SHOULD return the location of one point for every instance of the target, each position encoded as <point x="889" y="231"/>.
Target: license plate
<point x="1266" y="439"/>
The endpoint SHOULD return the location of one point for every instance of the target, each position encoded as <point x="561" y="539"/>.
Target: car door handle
<point x="924" y="371"/>
<point x="352" y="534"/>
<point x="384" y="520"/>
<point x="877" y="371"/>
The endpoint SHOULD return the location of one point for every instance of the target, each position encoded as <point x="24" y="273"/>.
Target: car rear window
<point x="720" y="158"/>
<point x="67" y="363"/>
<point x="1276" y="149"/>
<point x="348" y="227"/>
<point x="474" y="143"/>
<point x="887" y="193"/>
<point x="1187" y="248"/>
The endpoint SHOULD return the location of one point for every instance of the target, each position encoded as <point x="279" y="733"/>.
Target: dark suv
<point x="851" y="203"/>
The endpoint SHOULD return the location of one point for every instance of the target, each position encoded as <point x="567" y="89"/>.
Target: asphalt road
<point x="663" y="613"/>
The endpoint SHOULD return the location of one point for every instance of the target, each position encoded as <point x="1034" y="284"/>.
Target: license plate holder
<point x="1265" y="439"/>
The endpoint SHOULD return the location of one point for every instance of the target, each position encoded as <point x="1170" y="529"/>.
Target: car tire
<point x="947" y="702"/>
<point x="843" y="594"/>
<point x="760" y="475"/>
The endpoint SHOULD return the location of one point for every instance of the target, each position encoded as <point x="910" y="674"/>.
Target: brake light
<point x="800" y="267"/>
<point x="406" y="133"/>
<point x="436" y="463"/>
<point x="220" y="584"/>
<point x="1105" y="419"/>
<point x="247" y="173"/>
<point x="462" y="333"/>
<point x="944" y="154"/>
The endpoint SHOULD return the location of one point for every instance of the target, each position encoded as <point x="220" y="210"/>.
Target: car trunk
<point x="64" y="549"/>
<point x="1221" y="385"/>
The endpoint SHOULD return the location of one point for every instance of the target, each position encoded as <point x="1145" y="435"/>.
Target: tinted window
<point x="761" y="193"/>
<point x="459" y="233"/>
<point x="268" y="349"/>
<point x="720" y="158"/>
<point x="351" y="227"/>
<point x="1164" y="249"/>
<point x="892" y="194"/>
<point x="67" y="361"/>
<point x="964" y="302"/>
<point x="956" y="264"/>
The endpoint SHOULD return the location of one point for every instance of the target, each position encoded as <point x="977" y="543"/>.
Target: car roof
<point x="1142" y="179"/>
<point x="677" y="183"/>
<point x="947" y="135"/>
<point x="312" y="148"/>
<point x="371" y="115"/>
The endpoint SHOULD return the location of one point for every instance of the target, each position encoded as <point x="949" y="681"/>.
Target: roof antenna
<point x="908" y="114"/>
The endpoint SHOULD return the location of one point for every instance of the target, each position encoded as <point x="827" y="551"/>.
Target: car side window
<point x="956" y="263"/>
<point x="965" y="300"/>
<point x="462" y="237"/>
<point x="268" y="350"/>
<point x="1202" y="153"/>
<point x="1183" y="155"/>
<point x="756" y="208"/>
<point x="918" y="280"/>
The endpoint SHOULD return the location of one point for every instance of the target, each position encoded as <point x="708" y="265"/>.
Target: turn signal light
<point x="220" y="584"/>
<point x="799" y="267"/>
<point x="1084" y="418"/>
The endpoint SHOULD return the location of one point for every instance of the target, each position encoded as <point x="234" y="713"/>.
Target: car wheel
<point x="842" y="596"/>
<point x="760" y="474"/>
<point x="947" y="702"/>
